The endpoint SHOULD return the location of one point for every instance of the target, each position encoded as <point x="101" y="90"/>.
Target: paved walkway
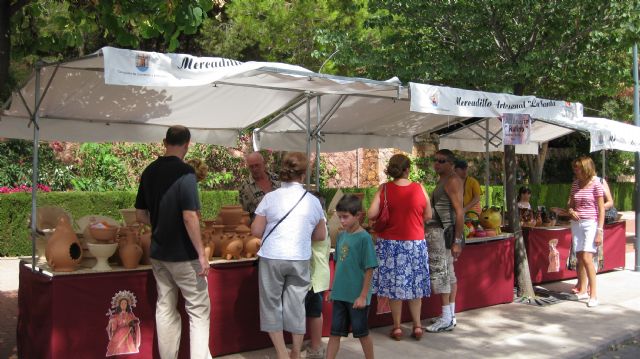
<point x="565" y="330"/>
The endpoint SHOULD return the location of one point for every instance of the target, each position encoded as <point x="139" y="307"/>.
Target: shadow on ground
<point x="8" y="322"/>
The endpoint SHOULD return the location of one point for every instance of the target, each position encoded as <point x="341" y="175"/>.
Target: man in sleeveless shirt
<point x="447" y="211"/>
<point x="168" y="200"/>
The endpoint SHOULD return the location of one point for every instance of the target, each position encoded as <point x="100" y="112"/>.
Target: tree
<point x="303" y="32"/>
<point x="57" y="29"/>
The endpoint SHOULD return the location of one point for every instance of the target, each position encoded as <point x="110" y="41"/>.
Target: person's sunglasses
<point x="440" y="160"/>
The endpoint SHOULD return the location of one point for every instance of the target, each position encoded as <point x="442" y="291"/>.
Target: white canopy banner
<point x="142" y="68"/>
<point x="606" y="134"/>
<point x="467" y="103"/>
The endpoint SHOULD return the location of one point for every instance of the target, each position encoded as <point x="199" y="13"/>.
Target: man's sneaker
<point x="440" y="326"/>
<point x="314" y="354"/>
<point x="435" y="319"/>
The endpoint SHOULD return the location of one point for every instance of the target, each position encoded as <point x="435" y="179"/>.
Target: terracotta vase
<point x="129" y="250"/>
<point x="231" y="215"/>
<point x="145" y="243"/>
<point x="231" y="246"/>
<point x="63" y="251"/>
<point x="245" y="219"/>
<point x="251" y="246"/>
<point x="216" y="239"/>
<point x="207" y="243"/>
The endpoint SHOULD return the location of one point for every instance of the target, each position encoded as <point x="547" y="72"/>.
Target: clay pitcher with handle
<point x="129" y="250"/>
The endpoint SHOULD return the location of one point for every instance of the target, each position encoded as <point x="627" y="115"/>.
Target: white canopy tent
<point x="133" y="96"/>
<point x="352" y="122"/>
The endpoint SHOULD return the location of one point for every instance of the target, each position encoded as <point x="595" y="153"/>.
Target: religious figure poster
<point x="123" y="329"/>
<point x="516" y="128"/>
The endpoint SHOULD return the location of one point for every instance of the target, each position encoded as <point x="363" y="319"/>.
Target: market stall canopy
<point x="350" y="122"/>
<point x="128" y="95"/>
<point x="608" y="134"/>
<point x="552" y="118"/>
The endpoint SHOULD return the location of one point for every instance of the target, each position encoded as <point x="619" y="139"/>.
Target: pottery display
<point x="246" y="218"/>
<point x="209" y="245"/>
<point x="63" y="250"/>
<point x="231" y="246"/>
<point x="128" y="249"/>
<point x="102" y="252"/>
<point x="103" y="234"/>
<point x="231" y="215"/>
<point x="145" y="244"/>
<point x="129" y="216"/>
<point x="216" y="239"/>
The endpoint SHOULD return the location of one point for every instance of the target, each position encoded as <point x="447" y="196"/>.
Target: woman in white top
<point x="283" y="269"/>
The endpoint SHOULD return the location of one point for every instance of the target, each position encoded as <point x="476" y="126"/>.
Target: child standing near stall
<point x="320" y="281"/>
<point x="351" y="293"/>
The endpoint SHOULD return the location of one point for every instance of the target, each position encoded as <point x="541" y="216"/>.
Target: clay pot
<point x="129" y="250"/>
<point x="63" y="251"/>
<point x="231" y="215"/>
<point x="216" y="239"/>
<point x="246" y="218"/>
<point x="208" y="245"/>
<point x="231" y="246"/>
<point x="145" y="244"/>
<point x="251" y="246"/>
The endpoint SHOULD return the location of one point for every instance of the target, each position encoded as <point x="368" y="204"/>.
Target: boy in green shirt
<point x="351" y="293"/>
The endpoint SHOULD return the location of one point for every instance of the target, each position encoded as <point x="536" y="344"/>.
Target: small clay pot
<point x="231" y="246"/>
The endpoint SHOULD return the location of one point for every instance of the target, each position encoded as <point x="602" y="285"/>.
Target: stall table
<point x="65" y="315"/>
<point x="537" y="244"/>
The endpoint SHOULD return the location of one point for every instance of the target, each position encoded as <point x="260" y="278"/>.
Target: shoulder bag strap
<point x="285" y="216"/>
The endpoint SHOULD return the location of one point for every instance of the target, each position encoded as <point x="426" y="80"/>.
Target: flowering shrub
<point x="23" y="188"/>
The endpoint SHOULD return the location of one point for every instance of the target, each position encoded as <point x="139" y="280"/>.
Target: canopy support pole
<point x="487" y="171"/>
<point x="34" y="179"/>
<point x="308" y="179"/>
<point x="636" y="120"/>
<point x="317" y="132"/>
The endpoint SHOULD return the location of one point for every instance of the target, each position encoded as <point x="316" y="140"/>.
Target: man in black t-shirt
<point x="168" y="200"/>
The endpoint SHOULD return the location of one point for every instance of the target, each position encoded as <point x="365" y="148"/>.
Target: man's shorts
<point x="344" y="316"/>
<point x="440" y="262"/>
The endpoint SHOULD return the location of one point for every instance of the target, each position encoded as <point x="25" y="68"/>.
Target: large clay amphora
<point x="63" y="250"/>
<point x="145" y="243"/>
<point x="231" y="215"/>
<point x="129" y="250"/>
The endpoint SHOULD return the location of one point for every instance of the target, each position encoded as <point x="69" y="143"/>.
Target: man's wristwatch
<point x="457" y="240"/>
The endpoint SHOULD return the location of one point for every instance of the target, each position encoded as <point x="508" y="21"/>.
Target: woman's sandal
<point x="396" y="333"/>
<point x="417" y="333"/>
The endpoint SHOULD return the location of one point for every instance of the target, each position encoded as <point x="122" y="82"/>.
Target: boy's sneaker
<point x="314" y="354"/>
<point x="435" y="319"/>
<point x="440" y="326"/>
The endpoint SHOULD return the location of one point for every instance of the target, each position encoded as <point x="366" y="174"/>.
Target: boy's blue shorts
<point x="344" y="316"/>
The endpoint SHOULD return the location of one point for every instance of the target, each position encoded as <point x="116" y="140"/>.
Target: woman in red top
<point x="403" y="272"/>
<point x="586" y="208"/>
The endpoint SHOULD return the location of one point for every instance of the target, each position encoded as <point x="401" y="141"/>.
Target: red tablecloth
<point x="65" y="316"/>
<point x="537" y="243"/>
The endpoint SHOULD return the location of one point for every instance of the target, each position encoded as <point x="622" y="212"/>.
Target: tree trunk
<point x="5" y="48"/>
<point x="523" y="278"/>
<point x="536" y="164"/>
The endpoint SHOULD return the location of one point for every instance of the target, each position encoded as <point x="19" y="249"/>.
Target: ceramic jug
<point x="129" y="250"/>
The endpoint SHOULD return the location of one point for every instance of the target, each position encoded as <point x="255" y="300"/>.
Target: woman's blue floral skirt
<point x="403" y="269"/>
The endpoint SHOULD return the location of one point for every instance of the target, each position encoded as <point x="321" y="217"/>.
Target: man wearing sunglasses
<point x="447" y="212"/>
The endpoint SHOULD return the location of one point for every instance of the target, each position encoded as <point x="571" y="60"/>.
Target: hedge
<point x="15" y="208"/>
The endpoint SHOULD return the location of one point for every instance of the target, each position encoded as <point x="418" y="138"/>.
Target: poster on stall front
<point x="516" y="128"/>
